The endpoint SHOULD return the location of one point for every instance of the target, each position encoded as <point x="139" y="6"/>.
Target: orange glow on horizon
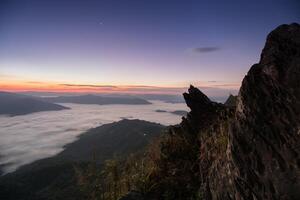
<point x="22" y="86"/>
<point x="82" y="88"/>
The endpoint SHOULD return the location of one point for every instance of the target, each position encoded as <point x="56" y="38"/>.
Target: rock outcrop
<point x="265" y="134"/>
<point x="248" y="151"/>
<point x="231" y="101"/>
<point x="263" y="153"/>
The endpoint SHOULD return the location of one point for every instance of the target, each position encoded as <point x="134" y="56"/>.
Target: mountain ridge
<point x="16" y="104"/>
<point x="95" y="99"/>
<point x="245" y="152"/>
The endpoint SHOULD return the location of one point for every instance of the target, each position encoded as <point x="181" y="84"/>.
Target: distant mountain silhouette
<point x="99" y="100"/>
<point x="180" y="112"/>
<point x="161" y="111"/>
<point x="168" y="98"/>
<point x="176" y="112"/>
<point x="16" y="104"/>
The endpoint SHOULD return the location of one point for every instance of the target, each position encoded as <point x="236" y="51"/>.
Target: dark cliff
<point x="265" y="137"/>
<point x="247" y="151"/>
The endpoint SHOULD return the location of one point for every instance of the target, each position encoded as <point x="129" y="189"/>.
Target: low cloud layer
<point x="31" y="137"/>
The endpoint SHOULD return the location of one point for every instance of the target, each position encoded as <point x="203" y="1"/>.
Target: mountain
<point x="55" y="177"/>
<point x="16" y="104"/>
<point x="120" y="138"/>
<point x="248" y="152"/>
<point x="94" y="99"/>
<point x="231" y="101"/>
<point x="176" y="112"/>
<point x="264" y="138"/>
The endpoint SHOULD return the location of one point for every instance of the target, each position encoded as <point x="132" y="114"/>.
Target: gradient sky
<point x="126" y="45"/>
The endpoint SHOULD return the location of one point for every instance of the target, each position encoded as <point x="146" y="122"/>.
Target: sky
<point x="149" y="46"/>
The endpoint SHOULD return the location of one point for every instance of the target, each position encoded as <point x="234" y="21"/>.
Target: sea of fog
<point x="26" y="138"/>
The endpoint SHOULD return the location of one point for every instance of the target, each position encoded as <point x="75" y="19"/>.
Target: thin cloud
<point x="34" y="82"/>
<point x="88" y="85"/>
<point x="205" y="49"/>
<point x="7" y="76"/>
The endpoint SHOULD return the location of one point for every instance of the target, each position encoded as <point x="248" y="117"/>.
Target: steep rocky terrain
<point x="265" y="135"/>
<point x="248" y="151"/>
<point x="231" y="101"/>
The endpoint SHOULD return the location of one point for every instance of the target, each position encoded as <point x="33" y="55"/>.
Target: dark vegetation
<point x="61" y="176"/>
<point x="16" y="104"/>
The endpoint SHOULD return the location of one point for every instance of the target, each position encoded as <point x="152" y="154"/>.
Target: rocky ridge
<point x="265" y="134"/>
<point x="262" y="153"/>
<point x="248" y="151"/>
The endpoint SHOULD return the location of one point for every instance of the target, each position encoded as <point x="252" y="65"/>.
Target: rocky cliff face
<point x="231" y="101"/>
<point x="265" y="134"/>
<point x="249" y="151"/>
<point x="262" y="159"/>
<point x="263" y="152"/>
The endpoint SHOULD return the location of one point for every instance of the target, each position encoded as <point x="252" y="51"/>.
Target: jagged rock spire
<point x="203" y="110"/>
